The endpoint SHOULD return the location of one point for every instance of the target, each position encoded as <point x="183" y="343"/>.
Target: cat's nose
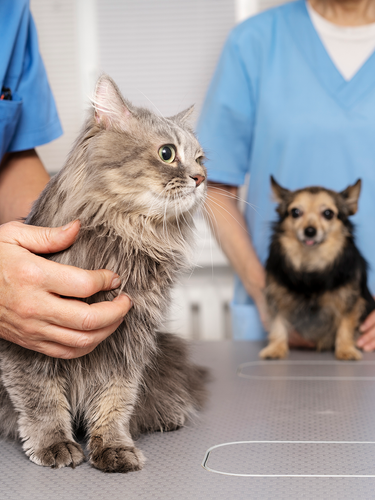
<point x="198" y="179"/>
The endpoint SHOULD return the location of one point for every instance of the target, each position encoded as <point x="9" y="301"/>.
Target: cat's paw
<point x="274" y="351"/>
<point x="349" y="353"/>
<point x="117" y="459"/>
<point x="63" y="454"/>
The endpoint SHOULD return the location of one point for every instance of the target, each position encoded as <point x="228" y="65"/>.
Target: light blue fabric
<point x="278" y="105"/>
<point x="30" y="118"/>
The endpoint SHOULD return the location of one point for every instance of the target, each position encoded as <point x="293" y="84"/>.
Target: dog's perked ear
<point x="351" y="195"/>
<point x="280" y="194"/>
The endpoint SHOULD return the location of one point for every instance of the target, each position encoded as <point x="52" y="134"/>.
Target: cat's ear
<point x="111" y="109"/>
<point x="183" y="116"/>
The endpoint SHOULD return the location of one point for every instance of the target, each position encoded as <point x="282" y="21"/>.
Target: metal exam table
<point x="303" y="428"/>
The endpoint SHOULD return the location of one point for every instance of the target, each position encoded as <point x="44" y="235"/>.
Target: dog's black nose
<point x="310" y="231"/>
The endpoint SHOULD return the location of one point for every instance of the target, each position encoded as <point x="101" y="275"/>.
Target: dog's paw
<point x="349" y="353"/>
<point x="274" y="351"/>
<point x="63" y="454"/>
<point x="117" y="459"/>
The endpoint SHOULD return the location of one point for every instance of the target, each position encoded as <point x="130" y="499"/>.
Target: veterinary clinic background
<point x="292" y="95"/>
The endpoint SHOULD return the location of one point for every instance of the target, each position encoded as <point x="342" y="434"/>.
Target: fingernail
<point x="69" y="225"/>
<point x="116" y="282"/>
<point x="131" y="302"/>
<point x="118" y="297"/>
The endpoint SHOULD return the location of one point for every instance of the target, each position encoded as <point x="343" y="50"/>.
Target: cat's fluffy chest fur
<point x="135" y="213"/>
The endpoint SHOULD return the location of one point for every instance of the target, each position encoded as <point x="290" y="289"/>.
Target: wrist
<point x="255" y="282"/>
<point x="256" y="291"/>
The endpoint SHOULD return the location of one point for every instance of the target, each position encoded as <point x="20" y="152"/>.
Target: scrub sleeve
<point x="277" y="105"/>
<point x="226" y="130"/>
<point x="30" y="118"/>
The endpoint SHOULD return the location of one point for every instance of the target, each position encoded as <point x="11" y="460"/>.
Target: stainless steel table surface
<point x="303" y="428"/>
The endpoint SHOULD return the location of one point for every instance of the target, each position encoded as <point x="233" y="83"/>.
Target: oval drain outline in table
<point x="351" y="459"/>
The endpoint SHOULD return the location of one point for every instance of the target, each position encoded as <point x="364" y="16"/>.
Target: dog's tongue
<point x="309" y="242"/>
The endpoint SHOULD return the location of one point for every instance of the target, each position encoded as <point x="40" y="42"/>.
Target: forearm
<point x="229" y="227"/>
<point x="22" y="178"/>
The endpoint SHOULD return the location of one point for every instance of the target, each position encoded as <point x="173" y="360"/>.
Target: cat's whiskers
<point x="225" y="210"/>
<point x="165" y="223"/>
<point x="152" y="104"/>
<point x="165" y="218"/>
<point x="225" y="193"/>
<point x="208" y="217"/>
<point x="166" y="231"/>
<point x="148" y="216"/>
<point x="192" y="229"/>
<point x="182" y="240"/>
<point x="177" y="197"/>
<point x="197" y="235"/>
<point x="208" y="212"/>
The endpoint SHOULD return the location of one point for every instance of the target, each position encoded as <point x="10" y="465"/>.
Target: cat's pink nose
<point x="198" y="179"/>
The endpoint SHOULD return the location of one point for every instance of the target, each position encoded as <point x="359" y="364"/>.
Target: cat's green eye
<point x="167" y="153"/>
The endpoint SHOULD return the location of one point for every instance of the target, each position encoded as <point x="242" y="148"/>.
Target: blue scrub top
<point x="30" y="118"/>
<point x="278" y="105"/>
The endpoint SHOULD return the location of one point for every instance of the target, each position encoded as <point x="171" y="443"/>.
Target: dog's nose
<point x="198" y="179"/>
<point x="310" y="231"/>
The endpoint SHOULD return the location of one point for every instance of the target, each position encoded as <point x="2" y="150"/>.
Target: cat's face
<point x="142" y="162"/>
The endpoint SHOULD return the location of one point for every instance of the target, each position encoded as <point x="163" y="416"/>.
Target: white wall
<point x="57" y="26"/>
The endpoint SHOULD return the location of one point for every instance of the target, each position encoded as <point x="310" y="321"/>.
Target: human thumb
<point x="38" y="239"/>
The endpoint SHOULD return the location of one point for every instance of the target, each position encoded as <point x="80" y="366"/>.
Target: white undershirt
<point x="348" y="47"/>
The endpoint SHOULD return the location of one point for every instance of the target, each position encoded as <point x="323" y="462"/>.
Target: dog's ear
<point x="351" y="195"/>
<point x="280" y="194"/>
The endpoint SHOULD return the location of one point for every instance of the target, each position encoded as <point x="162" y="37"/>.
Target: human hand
<point x="367" y="340"/>
<point x="32" y="313"/>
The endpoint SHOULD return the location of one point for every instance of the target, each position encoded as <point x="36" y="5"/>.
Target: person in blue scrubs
<point x="279" y="105"/>
<point x="32" y="313"/>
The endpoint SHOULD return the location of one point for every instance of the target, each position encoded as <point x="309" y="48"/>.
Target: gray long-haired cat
<point x="132" y="179"/>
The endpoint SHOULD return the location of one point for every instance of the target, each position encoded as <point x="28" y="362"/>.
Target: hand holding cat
<point x="32" y="313"/>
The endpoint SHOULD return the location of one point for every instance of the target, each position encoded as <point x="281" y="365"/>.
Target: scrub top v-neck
<point x="278" y="105"/>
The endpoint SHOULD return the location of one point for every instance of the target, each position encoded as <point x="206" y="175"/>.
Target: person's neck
<point x="346" y="12"/>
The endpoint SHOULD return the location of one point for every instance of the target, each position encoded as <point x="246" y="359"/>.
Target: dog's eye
<point x="295" y="213"/>
<point x="328" y="214"/>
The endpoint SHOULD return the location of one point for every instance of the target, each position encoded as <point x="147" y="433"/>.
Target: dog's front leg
<point x="111" y="445"/>
<point x="344" y="345"/>
<point x="277" y="340"/>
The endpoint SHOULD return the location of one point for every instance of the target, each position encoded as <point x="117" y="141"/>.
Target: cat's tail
<point x="173" y="388"/>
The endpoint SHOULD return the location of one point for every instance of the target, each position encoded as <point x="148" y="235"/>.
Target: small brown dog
<point x="316" y="276"/>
